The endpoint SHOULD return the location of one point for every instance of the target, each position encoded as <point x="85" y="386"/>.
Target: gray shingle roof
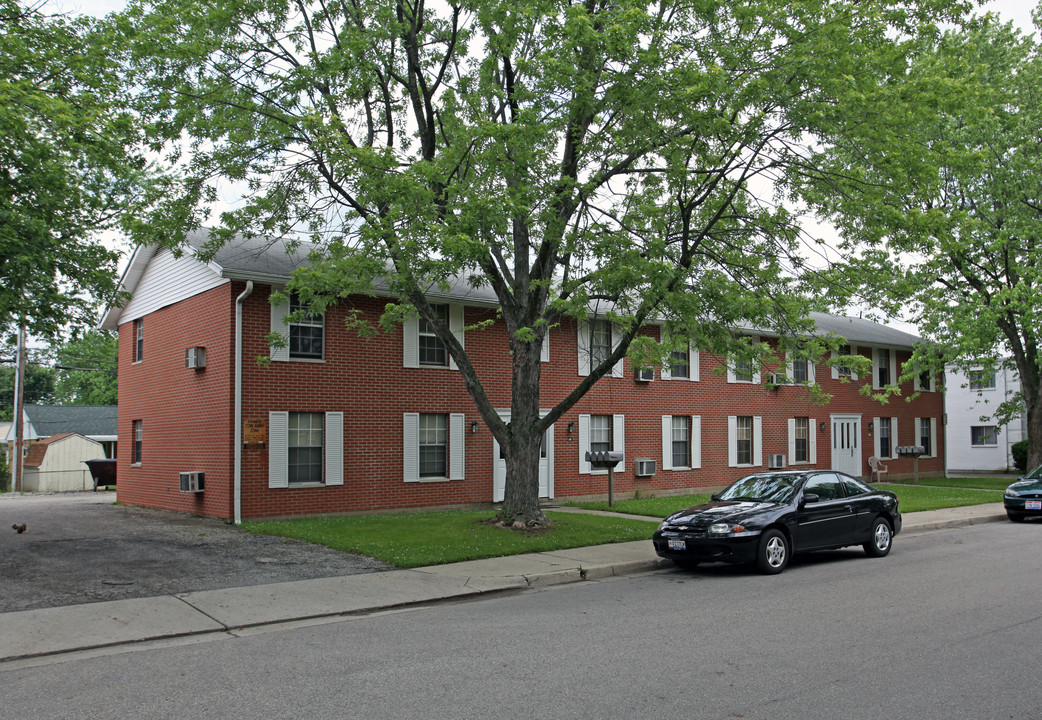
<point x="86" y="420"/>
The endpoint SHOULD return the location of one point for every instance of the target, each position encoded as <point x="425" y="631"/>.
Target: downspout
<point x="238" y="401"/>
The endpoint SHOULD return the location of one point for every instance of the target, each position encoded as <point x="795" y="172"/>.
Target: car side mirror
<point x="810" y="498"/>
<point x="714" y="496"/>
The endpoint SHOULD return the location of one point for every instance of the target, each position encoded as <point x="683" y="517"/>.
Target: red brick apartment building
<point x="337" y="423"/>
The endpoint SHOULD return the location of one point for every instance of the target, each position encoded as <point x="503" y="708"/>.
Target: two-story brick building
<point x="337" y="423"/>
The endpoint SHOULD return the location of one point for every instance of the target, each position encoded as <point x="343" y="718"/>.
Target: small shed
<point x="56" y="464"/>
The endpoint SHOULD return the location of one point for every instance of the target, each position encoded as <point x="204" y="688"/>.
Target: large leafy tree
<point x="67" y="169"/>
<point x="86" y="369"/>
<point x="608" y="154"/>
<point x="949" y="231"/>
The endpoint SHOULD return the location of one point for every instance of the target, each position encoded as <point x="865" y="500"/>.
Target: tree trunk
<point x="1031" y="392"/>
<point x="524" y="436"/>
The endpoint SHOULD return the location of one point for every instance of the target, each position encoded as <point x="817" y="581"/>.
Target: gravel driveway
<point x="81" y="548"/>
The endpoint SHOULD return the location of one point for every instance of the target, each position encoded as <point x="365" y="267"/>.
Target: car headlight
<point x="1012" y="493"/>
<point x="725" y="528"/>
<point x="663" y="525"/>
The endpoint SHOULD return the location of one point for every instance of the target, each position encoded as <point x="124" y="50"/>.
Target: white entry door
<point x="846" y="444"/>
<point x="546" y="464"/>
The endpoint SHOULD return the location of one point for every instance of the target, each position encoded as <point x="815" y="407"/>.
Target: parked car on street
<point x="765" y="518"/>
<point x="1023" y="498"/>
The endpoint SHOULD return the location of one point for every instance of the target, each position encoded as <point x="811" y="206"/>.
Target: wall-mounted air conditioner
<point x="195" y="357"/>
<point x="644" y="467"/>
<point x="776" y="461"/>
<point x="192" y="481"/>
<point x="645" y="374"/>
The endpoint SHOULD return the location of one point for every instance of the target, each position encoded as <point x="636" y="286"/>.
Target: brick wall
<point x="187" y="414"/>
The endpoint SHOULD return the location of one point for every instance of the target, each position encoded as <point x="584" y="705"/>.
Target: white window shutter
<point x="457" y="438"/>
<point x="456" y="323"/>
<point x="334" y="448"/>
<point x="583" y="344"/>
<point x="810" y="372"/>
<point x="792" y="440"/>
<point x="279" y="312"/>
<point x="835" y="367"/>
<point x="667" y="442"/>
<point x="732" y="441"/>
<point x="933" y="437"/>
<point x="812" y="435"/>
<point x="731" y="377"/>
<point x="788" y="366"/>
<point x="616" y="337"/>
<point x="693" y="369"/>
<point x="893" y="437"/>
<point x="665" y="373"/>
<point x="893" y="365"/>
<point x="757" y="441"/>
<point x="875" y="438"/>
<point x="696" y="441"/>
<point x="278" y="449"/>
<point x="411" y="447"/>
<point x="584" y="444"/>
<point x="618" y="434"/>
<point x="411" y="342"/>
<point x="544" y="351"/>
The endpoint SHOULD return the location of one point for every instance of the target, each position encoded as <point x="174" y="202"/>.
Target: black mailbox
<point x="912" y="451"/>
<point x="604" y="458"/>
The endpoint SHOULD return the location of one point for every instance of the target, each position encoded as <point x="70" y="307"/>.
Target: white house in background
<point x="975" y="441"/>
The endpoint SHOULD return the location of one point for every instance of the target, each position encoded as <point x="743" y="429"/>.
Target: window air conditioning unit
<point x="645" y="374"/>
<point x="195" y="357"/>
<point x="645" y="467"/>
<point x="192" y="481"/>
<point x="776" y="461"/>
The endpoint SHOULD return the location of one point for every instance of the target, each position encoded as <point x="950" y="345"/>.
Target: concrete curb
<point x="32" y="634"/>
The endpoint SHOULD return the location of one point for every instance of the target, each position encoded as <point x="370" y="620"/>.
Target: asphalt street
<point x="947" y="626"/>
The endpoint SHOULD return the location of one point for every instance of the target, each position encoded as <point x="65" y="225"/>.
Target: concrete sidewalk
<point x="51" y="631"/>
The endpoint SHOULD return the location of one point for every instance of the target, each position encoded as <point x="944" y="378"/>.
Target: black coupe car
<point x="766" y="517"/>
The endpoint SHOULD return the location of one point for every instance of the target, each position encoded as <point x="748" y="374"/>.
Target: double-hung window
<point x="681" y="442"/>
<point x="600" y="342"/>
<point x="883" y="368"/>
<point x="885" y="430"/>
<point x="678" y="365"/>
<point x="432" y="448"/>
<point x="431" y="348"/>
<point x="139" y="340"/>
<point x="138" y="434"/>
<point x="744" y="441"/>
<point x="981" y="380"/>
<point x="742" y="369"/>
<point x="596" y="340"/>
<point x="681" y="445"/>
<point x="599" y="433"/>
<point x="306" y="334"/>
<point x="305" y="449"/>
<point x="926" y="435"/>
<point x="801" y="440"/>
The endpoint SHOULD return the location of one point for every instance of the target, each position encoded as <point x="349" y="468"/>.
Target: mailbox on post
<point x="606" y="459"/>
<point x="912" y="451"/>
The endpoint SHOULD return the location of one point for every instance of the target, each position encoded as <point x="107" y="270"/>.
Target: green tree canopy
<point x="947" y="229"/>
<point x="66" y="167"/>
<point x="606" y="154"/>
<point x="86" y="369"/>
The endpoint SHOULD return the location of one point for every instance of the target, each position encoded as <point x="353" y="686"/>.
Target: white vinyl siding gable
<point x="168" y="280"/>
<point x="278" y="449"/>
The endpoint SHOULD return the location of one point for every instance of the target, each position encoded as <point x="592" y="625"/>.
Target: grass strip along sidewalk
<point x="408" y="540"/>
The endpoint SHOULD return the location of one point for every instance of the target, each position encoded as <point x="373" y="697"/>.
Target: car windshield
<point x="762" y="488"/>
<point x="1035" y="474"/>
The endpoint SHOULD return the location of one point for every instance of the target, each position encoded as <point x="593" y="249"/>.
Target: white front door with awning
<point x="846" y="444"/>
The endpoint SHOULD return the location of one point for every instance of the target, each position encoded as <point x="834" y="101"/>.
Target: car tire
<point x="880" y="540"/>
<point x="1015" y="516"/>
<point x="772" y="553"/>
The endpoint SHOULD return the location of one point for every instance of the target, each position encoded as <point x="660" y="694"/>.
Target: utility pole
<point x="19" y="404"/>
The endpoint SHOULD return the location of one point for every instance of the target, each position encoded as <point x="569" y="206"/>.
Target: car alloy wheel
<point x="881" y="541"/>
<point x="773" y="552"/>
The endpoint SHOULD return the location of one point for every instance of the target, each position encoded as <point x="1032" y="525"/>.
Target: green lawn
<point x="409" y="540"/>
<point x="988" y="483"/>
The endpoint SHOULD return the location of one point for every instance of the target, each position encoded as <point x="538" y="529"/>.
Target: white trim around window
<point x="732" y="442"/>
<point x="732" y="376"/>
<point x="694" y="441"/>
<point x="618" y="436"/>
<point x="411" y="339"/>
<point x="812" y="442"/>
<point x="790" y="359"/>
<point x="891" y="366"/>
<point x="692" y="366"/>
<point x="278" y="449"/>
<point x="835" y="368"/>
<point x="933" y="436"/>
<point x="584" y="344"/>
<point x="456" y="451"/>
<point x="893" y="439"/>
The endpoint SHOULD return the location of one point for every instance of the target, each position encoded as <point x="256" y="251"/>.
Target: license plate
<point x="677" y="545"/>
<point x="1033" y="504"/>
